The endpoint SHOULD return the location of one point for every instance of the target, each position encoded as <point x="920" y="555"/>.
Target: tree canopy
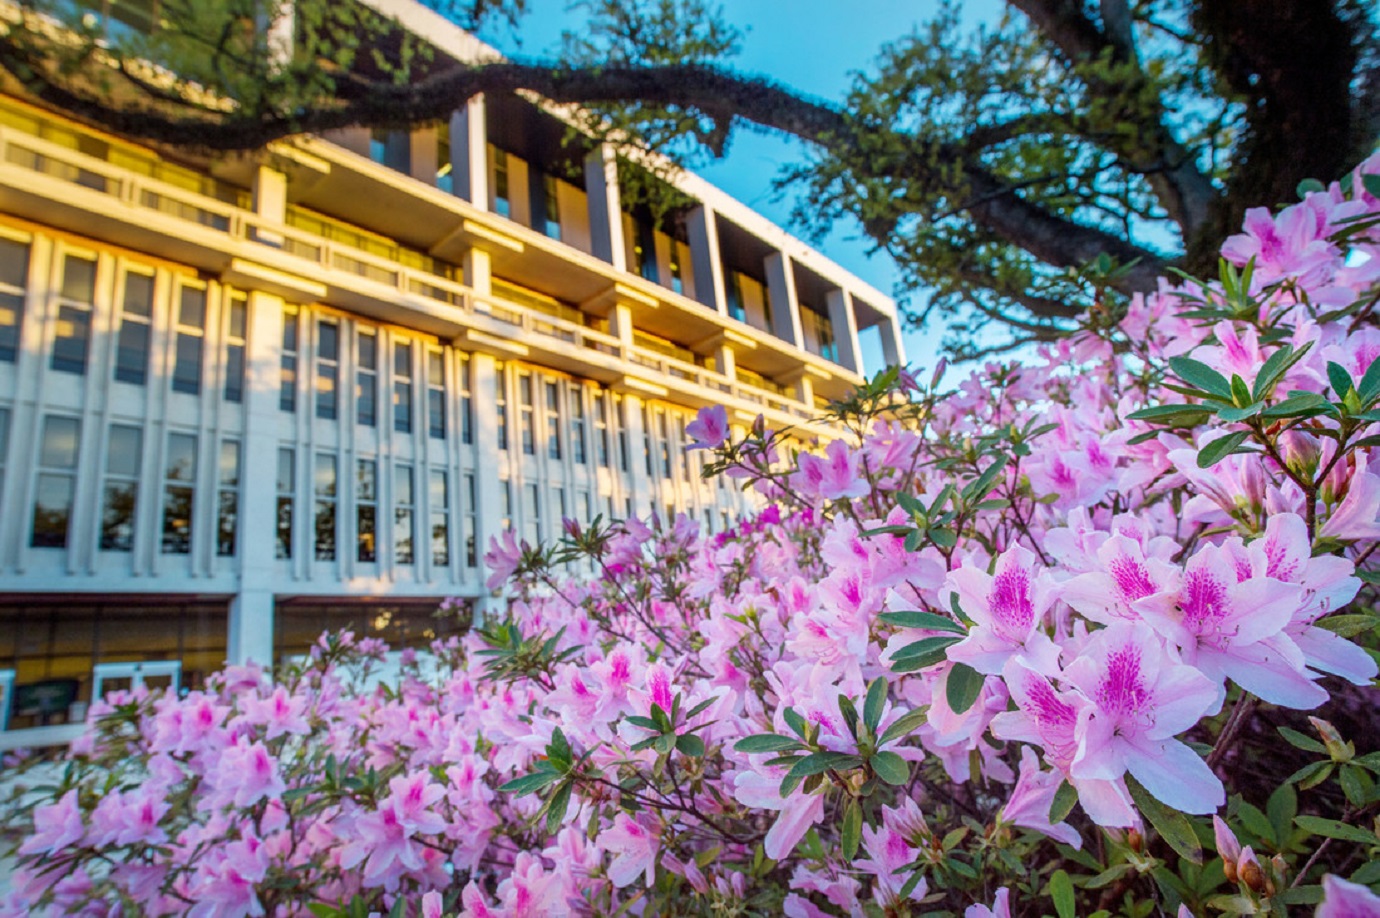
<point x="1019" y="172"/>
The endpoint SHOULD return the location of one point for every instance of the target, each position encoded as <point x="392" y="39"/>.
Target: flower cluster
<point x="1040" y="638"/>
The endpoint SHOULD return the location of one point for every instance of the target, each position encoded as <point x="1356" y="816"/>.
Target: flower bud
<point x="1134" y="840"/>
<point x="1248" y="869"/>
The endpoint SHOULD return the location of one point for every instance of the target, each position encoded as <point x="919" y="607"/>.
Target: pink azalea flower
<point x="1230" y="628"/>
<point x="1125" y="575"/>
<point x="1001" y="907"/>
<point x="1030" y="800"/>
<point x="634" y="847"/>
<point x="56" y="826"/>
<point x="1008" y="609"/>
<point x="502" y="558"/>
<point x="385" y="836"/>
<point x="1345" y="899"/>
<point x="280" y="712"/>
<point x="832" y="476"/>
<point x="888" y="851"/>
<point x="799" y="811"/>
<point x="709" y="430"/>
<point x="1140" y="698"/>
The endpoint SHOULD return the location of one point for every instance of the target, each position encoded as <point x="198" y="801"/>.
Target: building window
<point x="391" y="148"/>
<point x="506" y="521"/>
<point x="733" y="290"/>
<point x="527" y="409"/>
<point x="466" y="400"/>
<point x="366" y="509"/>
<point x="647" y="440"/>
<point x="553" y="420"/>
<point x="818" y="333"/>
<point x="531" y="514"/>
<point x="73" y="333"/>
<point x="471" y="498"/>
<point x="501" y="403"/>
<point x="435" y="395"/>
<point x="325" y="486"/>
<point x="367" y="378"/>
<point x="237" y="319"/>
<point x="552" y="198"/>
<point x="121" y="488"/>
<point x="664" y="435"/>
<point x="228" y="498"/>
<point x="404" y="507"/>
<point x="287" y="474"/>
<point x="601" y="423"/>
<point x="624" y="447"/>
<point x="179" y="495"/>
<point x="502" y="206"/>
<point x="287" y="391"/>
<point x="191" y="330"/>
<point x="577" y="423"/>
<point x="402" y="386"/>
<point x="57" y="481"/>
<point x="440" y="519"/>
<point x="445" y="180"/>
<point x="136" y="319"/>
<point x="327" y="369"/>
<point x="677" y="280"/>
<point x="644" y="252"/>
<point x="14" y="282"/>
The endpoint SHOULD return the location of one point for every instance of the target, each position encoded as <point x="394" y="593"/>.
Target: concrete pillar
<point x="805" y="391"/>
<point x="487" y="485"/>
<point x="422" y="163"/>
<point x="893" y="348"/>
<point x="621" y="324"/>
<point x="519" y="191"/>
<point x="605" y="207"/>
<point x="845" y="323"/>
<point x="250" y="638"/>
<point x="270" y="202"/>
<point x="478" y="271"/>
<point x="251" y="613"/>
<point x="469" y="153"/>
<point x="639" y="483"/>
<point x="785" y="305"/>
<point x="726" y="362"/>
<point x="705" y="262"/>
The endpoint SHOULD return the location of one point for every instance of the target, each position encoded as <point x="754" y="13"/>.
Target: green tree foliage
<point x="1056" y="159"/>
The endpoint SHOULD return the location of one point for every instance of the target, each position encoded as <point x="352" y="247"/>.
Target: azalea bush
<point x="1095" y="634"/>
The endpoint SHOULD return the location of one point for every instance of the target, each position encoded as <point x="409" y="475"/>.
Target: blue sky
<point x="810" y="45"/>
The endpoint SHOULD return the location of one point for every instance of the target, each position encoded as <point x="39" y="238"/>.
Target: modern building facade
<point x="243" y="399"/>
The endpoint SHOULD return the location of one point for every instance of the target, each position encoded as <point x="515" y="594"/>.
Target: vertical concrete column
<point x="478" y="271"/>
<point x="726" y="362"/>
<point x="705" y="262"/>
<point x="893" y="349"/>
<point x="805" y="391"/>
<point x="519" y="191"/>
<point x="605" y="207"/>
<point x="251" y="612"/>
<point x="487" y="485"/>
<point x="845" y="323"/>
<point x="270" y="202"/>
<point x="639" y="483"/>
<point x="785" y="305"/>
<point x="422" y="162"/>
<point x="621" y="325"/>
<point x="469" y="152"/>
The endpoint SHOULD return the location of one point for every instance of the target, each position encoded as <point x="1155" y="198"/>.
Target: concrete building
<point x="244" y="399"/>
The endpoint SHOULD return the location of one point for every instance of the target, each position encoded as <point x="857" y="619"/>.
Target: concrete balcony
<point x="57" y="186"/>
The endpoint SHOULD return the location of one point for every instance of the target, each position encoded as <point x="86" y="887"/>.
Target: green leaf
<point x="1062" y="804"/>
<point x="1271" y="371"/>
<point x="646" y="723"/>
<point x="1173" y="826"/>
<point x="558" y="751"/>
<point x="932" y="649"/>
<point x="1201" y="376"/>
<point x="1239" y="393"/>
<point x="876" y="701"/>
<point x="1304" y="403"/>
<point x="1332" y="828"/>
<point x="1282" y="807"/>
<point x="927" y="621"/>
<point x="555" y="810"/>
<point x="1061" y="891"/>
<point x="690" y="744"/>
<point x="1309" y="186"/>
<point x="794" y="721"/>
<point x="766" y="742"/>
<point x="1236" y="415"/>
<point x="1339" y="379"/>
<point x="1349" y="626"/>
<point x="1301" y="741"/>
<point x="530" y="783"/>
<point x="852" y="830"/>
<point x="963" y="687"/>
<point x="817" y="763"/>
<point x="1371" y="182"/>
<point x="903" y="726"/>
<point x="1176" y="415"/>
<point x="1369" y="387"/>
<point x="850" y="715"/>
<point x="891" y="768"/>
<point x="1218" y="449"/>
